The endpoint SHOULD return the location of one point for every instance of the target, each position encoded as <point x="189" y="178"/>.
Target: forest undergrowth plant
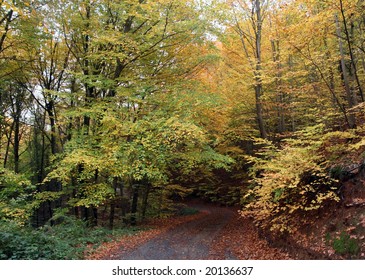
<point x="346" y="245"/>
<point x="289" y="183"/>
<point x="65" y="241"/>
<point x="15" y="197"/>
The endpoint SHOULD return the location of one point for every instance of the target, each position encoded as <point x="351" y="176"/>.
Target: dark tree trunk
<point x="134" y="206"/>
<point x="52" y="121"/>
<point x="145" y="200"/>
<point x="111" y="215"/>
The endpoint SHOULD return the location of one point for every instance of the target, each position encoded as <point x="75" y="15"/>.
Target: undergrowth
<point x="345" y="245"/>
<point x="67" y="240"/>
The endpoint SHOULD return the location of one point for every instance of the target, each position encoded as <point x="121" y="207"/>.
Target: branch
<point x="308" y="57"/>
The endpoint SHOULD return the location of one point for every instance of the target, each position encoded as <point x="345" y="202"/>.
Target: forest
<point x="116" y="112"/>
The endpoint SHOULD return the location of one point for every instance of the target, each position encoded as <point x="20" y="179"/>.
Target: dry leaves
<point x="240" y="240"/>
<point x="113" y="250"/>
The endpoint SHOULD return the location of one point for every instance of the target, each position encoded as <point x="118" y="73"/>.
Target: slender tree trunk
<point x="95" y="216"/>
<point x="50" y="212"/>
<point x="7" y="149"/>
<point x="145" y="200"/>
<point x="134" y="206"/>
<point x="352" y="56"/>
<point x="279" y="93"/>
<point x="258" y="69"/>
<point x="291" y="97"/>
<point x="94" y="219"/>
<point x="351" y="100"/>
<point x="111" y="215"/>
<point x="42" y="164"/>
<point x="8" y="19"/>
<point x="89" y="89"/>
<point x="16" y="146"/>
<point x="17" y="118"/>
<point x="254" y="41"/>
<point x="113" y="202"/>
<point x="52" y="121"/>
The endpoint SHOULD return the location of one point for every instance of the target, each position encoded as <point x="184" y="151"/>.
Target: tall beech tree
<point x="249" y="18"/>
<point x="130" y="57"/>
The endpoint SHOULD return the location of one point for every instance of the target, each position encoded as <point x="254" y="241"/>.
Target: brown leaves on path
<point x="239" y="239"/>
<point x="113" y="250"/>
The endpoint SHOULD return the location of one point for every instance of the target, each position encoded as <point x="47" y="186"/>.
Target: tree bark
<point x="17" y="113"/>
<point x="352" y="56"/>
<point x="50" y="111"/>
<point x="258" y="69"/>
<point x="351" y="100"/>
<point x="134" y="206"/>
<point x="279" y="93"/>
<point x="145" y="200"/>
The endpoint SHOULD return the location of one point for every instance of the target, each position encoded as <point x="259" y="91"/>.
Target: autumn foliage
<point x="114" y="112"/>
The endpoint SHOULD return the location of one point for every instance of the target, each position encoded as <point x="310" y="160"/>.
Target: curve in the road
<point x="189" y="241"/>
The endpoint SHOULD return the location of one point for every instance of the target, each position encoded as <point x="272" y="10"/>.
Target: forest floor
<point x="215" y="232"/>
<point x="337" y="231"/>
<point x="219" y="233"/>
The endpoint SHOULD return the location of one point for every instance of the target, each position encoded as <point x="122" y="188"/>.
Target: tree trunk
<point x="257" y="72"/>
<point x="279" y="93"/>
<point x="7" y="149"/>
<point x="291" y="98"/>
<point x="351" y="99"/>
<point x="111" y="215"/>
<point x="52" y="121"/>
<point x="352" y="56"/>
<point x="17" y="117"/>
<point x="134" y="206"/>
<point x="145" y="200"/>
<point x="94" y="216"/>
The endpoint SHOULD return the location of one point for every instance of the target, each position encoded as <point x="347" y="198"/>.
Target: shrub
<point x="23" y="243"/>
<point x="67" y="240"/>
<point x="288" y="182"/>
<point x="16" y="194"/>
<point x="345" y="245"/>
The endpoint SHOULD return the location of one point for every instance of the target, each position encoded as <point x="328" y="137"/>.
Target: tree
<point x="133" y="61"/>
<point x="250" y="33"/>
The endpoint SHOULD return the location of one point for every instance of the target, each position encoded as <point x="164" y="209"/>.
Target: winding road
<point x="191" y="240"/>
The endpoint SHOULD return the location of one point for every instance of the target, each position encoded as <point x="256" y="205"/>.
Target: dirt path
<point x="191" y="240"/>
<point x="218" y="233"/>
